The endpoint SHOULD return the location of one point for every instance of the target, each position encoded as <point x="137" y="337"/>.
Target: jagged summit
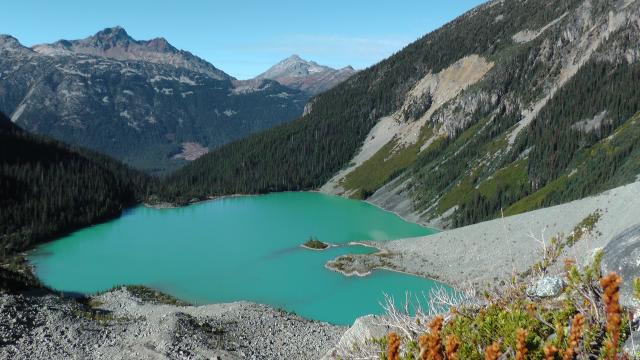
<point x="116" y="43"/>
<point x="306" y="75"/>
<point x="112" y="36"/>
<point x="293" y="66"/>
<point x="9" y="43"/>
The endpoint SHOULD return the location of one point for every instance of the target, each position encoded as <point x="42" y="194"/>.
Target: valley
<point x="142" y="102"/>
<point x="474" y="195"/>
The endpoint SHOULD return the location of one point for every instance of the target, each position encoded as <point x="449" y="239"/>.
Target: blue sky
<point x="243" y="38"/>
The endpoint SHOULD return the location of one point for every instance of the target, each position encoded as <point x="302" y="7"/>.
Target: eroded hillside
<point x="547" y="119"/>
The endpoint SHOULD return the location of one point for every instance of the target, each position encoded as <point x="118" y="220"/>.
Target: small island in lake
<point x="315" y="244"/>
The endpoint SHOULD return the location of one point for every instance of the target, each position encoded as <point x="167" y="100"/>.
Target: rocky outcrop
<point x="363" y="330"/>
<point x="548" y="286"/>
<point x="622" y="255"/>
<point x="632" y="345"/>
<point x="404" y="126"/>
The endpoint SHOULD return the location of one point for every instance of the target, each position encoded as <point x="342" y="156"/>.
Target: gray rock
<point x="622" y="255"/>
<point x="632" y="345"/>
<point x="363" y="329"/>
<point x="47" y="327"/>
<point x="550" y="286"/>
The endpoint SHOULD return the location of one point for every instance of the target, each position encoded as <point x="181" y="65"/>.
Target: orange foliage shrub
<point x="550" y="352"/>
<point x="492" y="352"/>
<point x="611" y="297"/>
<point x="393" y="348"/>
<point x="431" y="344"/>
<point x="577" y="327"/>
<point x="521" y="345"/>
<point x="453" y="344"/>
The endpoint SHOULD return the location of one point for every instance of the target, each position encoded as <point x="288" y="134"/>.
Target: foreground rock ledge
<point x="119" y="325"/>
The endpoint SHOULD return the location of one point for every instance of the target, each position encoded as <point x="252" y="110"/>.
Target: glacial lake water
<point x="239" y="248"/>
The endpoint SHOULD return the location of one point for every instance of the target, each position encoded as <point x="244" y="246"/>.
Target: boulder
<point x="548" y="286"/>
<point x="622" y="255"/>
<point x="364" y="328"/>
<point x="632" y="345"/>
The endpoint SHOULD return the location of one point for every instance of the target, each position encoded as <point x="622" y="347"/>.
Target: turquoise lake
<point x="239" y="248"/>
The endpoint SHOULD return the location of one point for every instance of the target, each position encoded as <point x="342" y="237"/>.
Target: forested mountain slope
<point x="142" y="102"/>
<point x="48" y="188"/>
<point x="514" y="105"/>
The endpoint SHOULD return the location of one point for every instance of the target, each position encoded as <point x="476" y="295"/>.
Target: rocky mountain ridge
<point x="137" y="101"/>
<point x="306" y="75"/>
<point x="116" y="43"/>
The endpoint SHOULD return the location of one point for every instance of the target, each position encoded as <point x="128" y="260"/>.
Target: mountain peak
<point x="111" y="37"/>
<point x="116" y="31"/>
<point x="11" y="44"/>
<point x="161" y="44"/>
<point x="305" y="75"/>
<point x="8" y="40"/>
<point x="116" y="43"/>
<point x="293" y="66"/>
<point x="296" y="59"/>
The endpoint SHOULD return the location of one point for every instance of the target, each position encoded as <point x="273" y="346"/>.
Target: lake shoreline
<point x="121" y="324"/>
<point x="489" y="252"/>
<point x="257" y="235"/>
<point x="172" y="205"/>
<point x="370" y="268"/>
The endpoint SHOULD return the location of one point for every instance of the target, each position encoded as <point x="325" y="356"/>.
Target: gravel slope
<point x="48" y="327"/>
<point x="491" y="251"/>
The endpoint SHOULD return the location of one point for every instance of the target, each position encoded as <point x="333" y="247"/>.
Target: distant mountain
<point x="115" y="43"/>
<point x="513" y="106"/>
<point x="306" y="75"/>
<point x="49" y="188"/>
<point x="143" y="102"/>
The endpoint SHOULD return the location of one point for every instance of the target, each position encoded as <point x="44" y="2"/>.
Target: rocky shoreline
<point x="492" y="251"/>
<point x="121" y="325"/>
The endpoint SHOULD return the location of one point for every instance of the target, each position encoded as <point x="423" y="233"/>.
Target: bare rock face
<point x="622" y="255"/>
<point x="116" y="43"/>
<point x="363" y="330"/>
<point x="305" y="75"/>
<point x="632" y="345"/>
